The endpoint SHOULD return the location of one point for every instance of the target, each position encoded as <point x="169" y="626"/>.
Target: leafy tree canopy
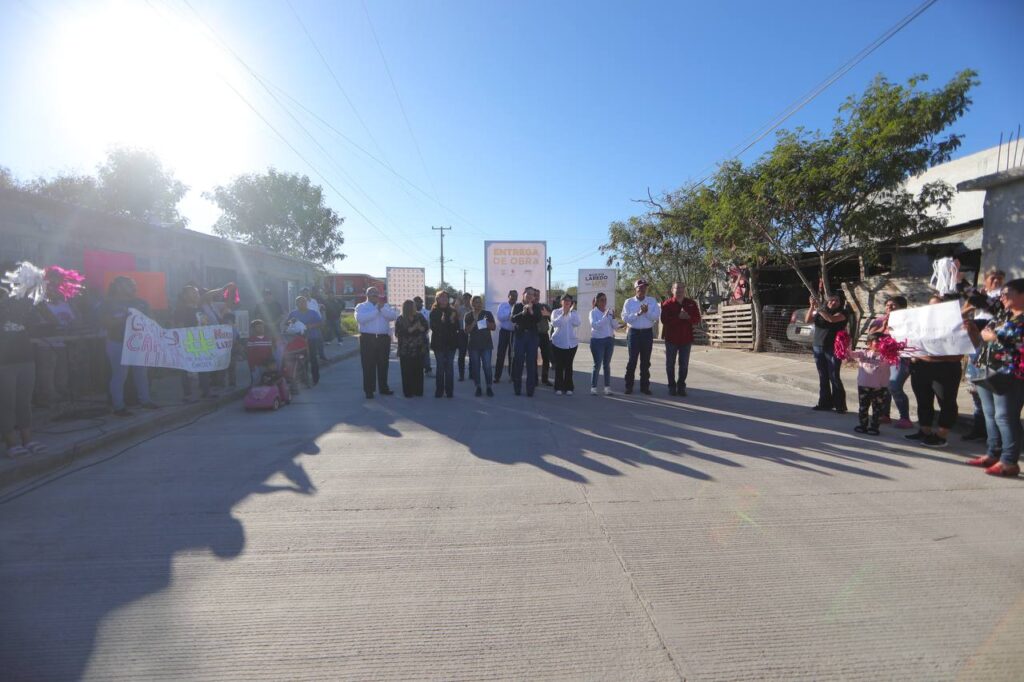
<point x="131" y="183"/>
<point x="283" y="212"/>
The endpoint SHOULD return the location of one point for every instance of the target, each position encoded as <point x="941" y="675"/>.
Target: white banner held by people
<point x="591" y="283"/>
<point x="193" y="349"/>
<point x="932" y="329"/>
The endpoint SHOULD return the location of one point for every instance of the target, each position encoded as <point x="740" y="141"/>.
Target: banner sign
<point x="932" y="329"/>
<point x="591" y="283"/>
<point x="193" y="349"/>
<point x="405" y="284"/>
<point x="513" y="265"/>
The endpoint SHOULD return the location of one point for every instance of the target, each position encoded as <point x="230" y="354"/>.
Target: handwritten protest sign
<point x="193" y="349"/>
<point x="932" y="329"/>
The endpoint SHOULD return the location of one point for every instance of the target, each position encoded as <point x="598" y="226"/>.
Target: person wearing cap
<point x="640" y="313"/>
<point x="374" y="317"/>
<point x="506" y="332"/>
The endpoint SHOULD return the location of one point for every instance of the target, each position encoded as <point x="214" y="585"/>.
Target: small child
<point x="262" y="354"/>
<point x="872" y="384"/>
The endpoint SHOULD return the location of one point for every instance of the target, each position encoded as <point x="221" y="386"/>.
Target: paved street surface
<point x="730" y="535"/>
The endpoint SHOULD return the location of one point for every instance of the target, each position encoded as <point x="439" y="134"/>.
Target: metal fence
<point x="781" y="335"/>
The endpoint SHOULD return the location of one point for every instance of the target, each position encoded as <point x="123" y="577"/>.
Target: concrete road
<point x="730" y="535"/>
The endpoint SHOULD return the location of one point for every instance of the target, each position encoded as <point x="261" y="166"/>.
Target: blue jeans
<point x="444" y="380"/>
<point x="898" y="375"/>
<point x="831" y="393"/>
<point x="601" y="350"/>
<point x="526" y="344"/>
<point x="118" y="374"/>
<point x="1002" y="419"/>
<point x="480" y="358"/>
<point x="639" y="344"/>
<point x="683" y="351"/>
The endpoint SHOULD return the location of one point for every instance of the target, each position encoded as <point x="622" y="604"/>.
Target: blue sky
<point x="533" y="120"/>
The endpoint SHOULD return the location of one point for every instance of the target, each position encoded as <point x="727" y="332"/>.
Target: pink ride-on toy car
<point x="269" y="390"/>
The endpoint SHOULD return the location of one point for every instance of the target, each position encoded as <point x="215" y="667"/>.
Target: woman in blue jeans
<point x="827" y="323"/>
<point x="444" y="341"/>
<point x="479" y="324"/>
<point x="602" y="342"/>
<point x="1003" y="398"/>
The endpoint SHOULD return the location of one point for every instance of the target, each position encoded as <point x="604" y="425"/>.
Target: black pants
<point x="931" y="380"/>
<point x="373" y="352"/>
<point x="412" y="375"/>
<point x="545" y="356"/>
<point x="563" y="367"/>
<point x="873" y="399"/>
<point x="639" y="343"/>
<point x="504" y="353"/>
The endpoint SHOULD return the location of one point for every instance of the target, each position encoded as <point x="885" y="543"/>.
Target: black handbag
<point x="985" y="373"/>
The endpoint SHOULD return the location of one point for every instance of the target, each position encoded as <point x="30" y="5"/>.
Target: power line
<point x="394" y="87"/>
<point x="288" y="143"/>
<point x="337" y="82"/>
<point x="788" y="113"/>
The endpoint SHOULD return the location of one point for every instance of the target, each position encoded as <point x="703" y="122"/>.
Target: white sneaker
<point x="558" y="393"/>
<point x="568" y="392"/>
<point x="607" y="390"/>
<point x="593" y="391"/>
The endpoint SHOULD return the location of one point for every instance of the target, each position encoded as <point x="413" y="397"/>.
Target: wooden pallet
<point x="731" y="327"/>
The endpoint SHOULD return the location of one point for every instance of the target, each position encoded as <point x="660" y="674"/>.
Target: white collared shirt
<point x="565" y="328"/>
<point x="374" y="320"/>
<point x="505" y="316"/>
<point x="602" y="324"/>
<point x="632" y="316"/>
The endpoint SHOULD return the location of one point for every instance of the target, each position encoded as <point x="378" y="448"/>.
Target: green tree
<point x="135" y="184"/>
<point x="7" y="179"/>
<point x="283" y="212"/>
<point x="130" y="182"/>
<point x="839" y="195"/>
<point x="663" y="246"/>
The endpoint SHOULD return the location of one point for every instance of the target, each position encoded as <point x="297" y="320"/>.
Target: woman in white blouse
<point x="564" y="322"/>
<point x="602" y="342"/>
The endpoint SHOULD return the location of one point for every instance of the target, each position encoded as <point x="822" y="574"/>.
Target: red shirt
<point x="675" y="330"/>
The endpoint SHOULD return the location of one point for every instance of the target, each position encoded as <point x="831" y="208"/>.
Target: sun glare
<point x="132" y="73"/>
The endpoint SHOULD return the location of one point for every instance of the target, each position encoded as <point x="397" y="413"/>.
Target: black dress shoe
<point x="821" y="408"/>
<point x="681" y="392"/>
<point x="671" y="391"/>
<point x="646" y="391"/>
<point x="369" y="396"/>
<point x="628" y="391"/>
<point x="386" y="391"/>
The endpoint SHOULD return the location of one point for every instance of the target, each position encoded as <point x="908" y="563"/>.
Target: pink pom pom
<point x="841" y="347"/>
<point x="69" y="282"/>
<point x="890" y="349"/>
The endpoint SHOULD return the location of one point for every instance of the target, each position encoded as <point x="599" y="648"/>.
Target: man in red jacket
<point x="678" y="315"/>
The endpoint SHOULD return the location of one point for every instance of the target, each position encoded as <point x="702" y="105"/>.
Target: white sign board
<point x="193" y="349"/>
<point x="513" y="265"/>
<point x="591" y="283"/>
<point x="932" y="329"/>
<point x="405" y="284"/>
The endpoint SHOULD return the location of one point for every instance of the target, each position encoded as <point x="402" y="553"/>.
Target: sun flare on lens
<point x="140" y="74"/>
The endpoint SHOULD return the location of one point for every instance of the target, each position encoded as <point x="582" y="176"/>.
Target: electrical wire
<point x="394" y="87"/>
<point x="817" y="90"/>
<point x="287" y="142"/>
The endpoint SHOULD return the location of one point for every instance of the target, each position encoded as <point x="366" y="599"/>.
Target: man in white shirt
<point x="374" y="317"/>
<point x="640" y="313"/>
<point x="506" y="329"/>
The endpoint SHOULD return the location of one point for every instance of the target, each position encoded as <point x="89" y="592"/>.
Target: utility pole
<point x="463" y="281"/>
<point x="442" y="230"/>
<point x="549" y="275"/>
